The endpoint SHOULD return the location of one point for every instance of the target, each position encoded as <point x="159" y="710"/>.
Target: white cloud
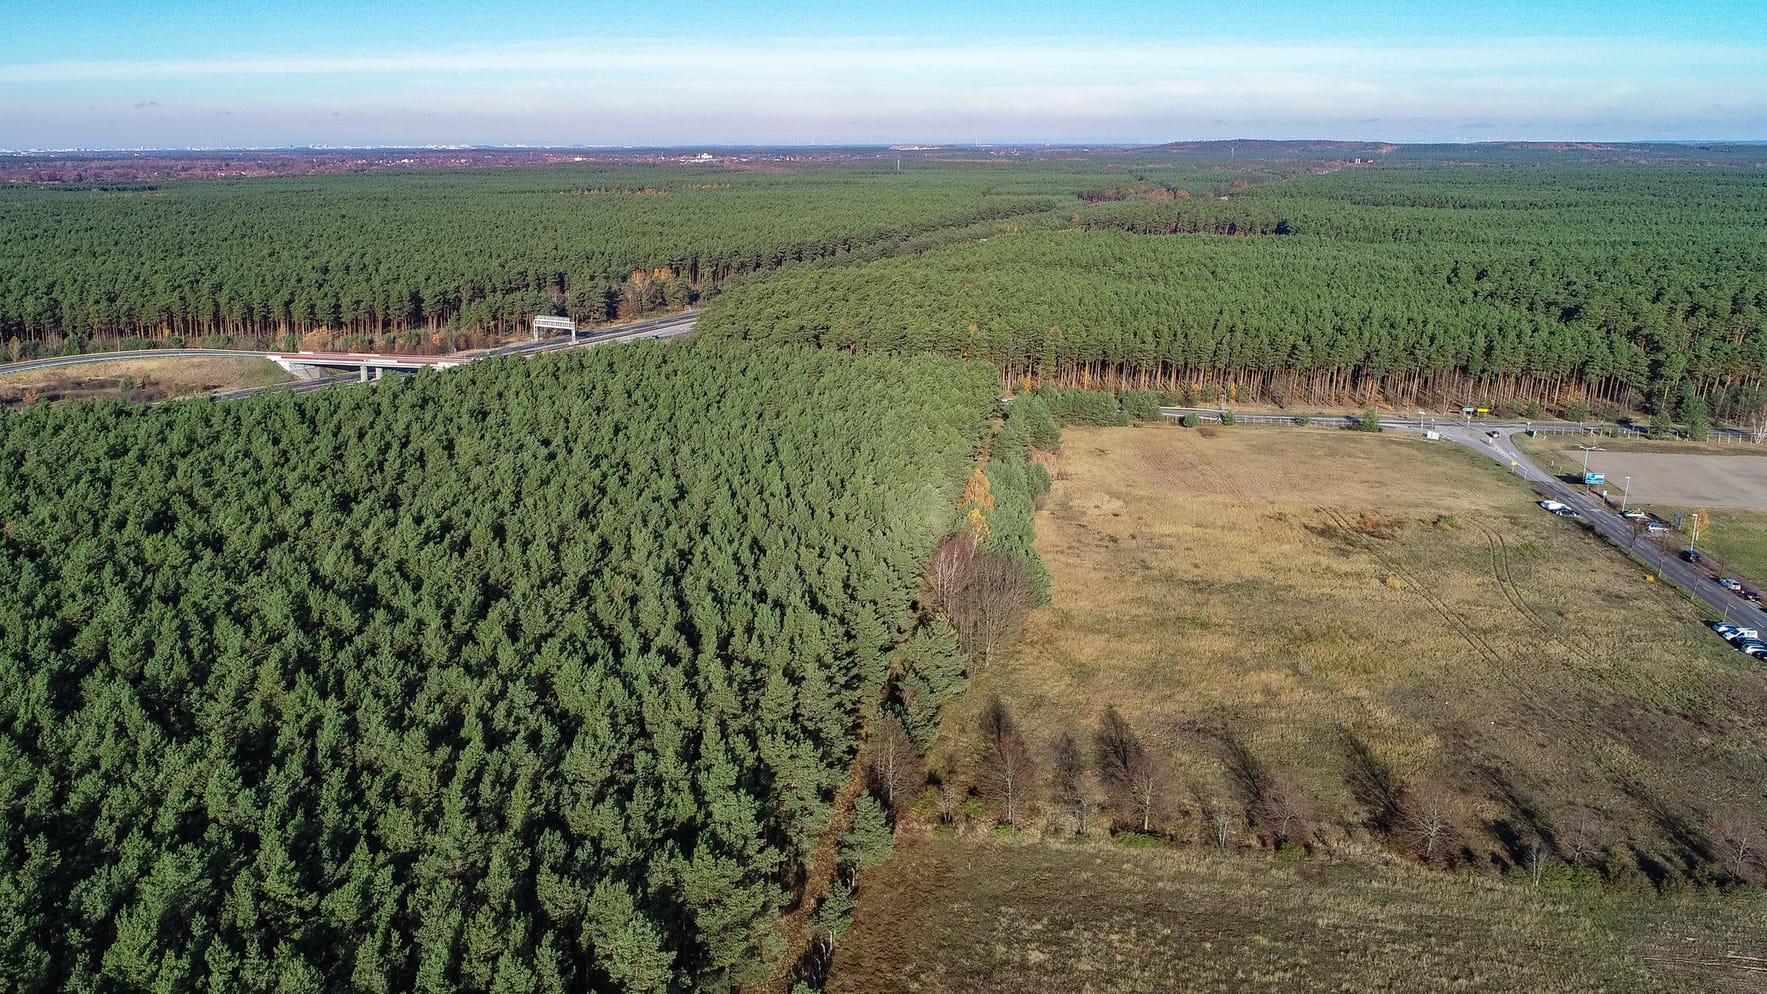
<point x="862" y="89"/>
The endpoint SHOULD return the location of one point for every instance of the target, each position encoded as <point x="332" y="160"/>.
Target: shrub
<point x="1698" y="418"/>
<point x="1576" y="410"/>
<point x="1082" y="407"/>
<point x="1660" y="426"/>
<point x="1140" y="405"/>
<point x="1303" y="420"/>
<point x="1228" y="419"/>
<point x="1368" y="421"/>
<point x="1532" y="410"/>
<point x="1190" y="421"/>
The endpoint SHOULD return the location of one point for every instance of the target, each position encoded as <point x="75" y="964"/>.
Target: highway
<point x="1501" y="447"/>
<point x="673" y="326"/>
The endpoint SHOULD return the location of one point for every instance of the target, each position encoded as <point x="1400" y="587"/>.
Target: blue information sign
<point x="1594" y="479"/>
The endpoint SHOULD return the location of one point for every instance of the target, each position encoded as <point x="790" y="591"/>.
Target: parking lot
<point x="1682" y="480"/>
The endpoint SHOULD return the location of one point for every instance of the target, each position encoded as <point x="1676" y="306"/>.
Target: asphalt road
<point x="672" y="326"/>
<point x="1668" y="563"/>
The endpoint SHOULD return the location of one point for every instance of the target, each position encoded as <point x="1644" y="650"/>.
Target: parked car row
<point x="1653" y="525"/>
<point x="1749" y="594"/>
<point x="1746" y="640"/>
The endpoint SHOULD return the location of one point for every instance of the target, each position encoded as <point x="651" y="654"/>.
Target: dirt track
<point x="1682" y="480"/>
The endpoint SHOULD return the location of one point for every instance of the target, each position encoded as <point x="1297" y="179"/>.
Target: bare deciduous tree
<point x="895" y="768"/>
<point x="1534" y="861"/>
<point x="949" y="571"/>
<point x="1071" y="781"/>
<point x="989" y="611"/>
<point x="1739" y="844"/>
<point x="1147" y="789"/>
<point x="950" y="798"/>
<point x="1135" y="778"/>
<point x="1223" y="823"/>
<point x="1581" y="840"/>
<point x="1430" y="820"/>
<point x="1286" y="810"/>
<point x="1008" y="777"/>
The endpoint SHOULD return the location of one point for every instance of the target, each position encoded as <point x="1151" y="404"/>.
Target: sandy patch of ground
<point x="1661" y="478"/>
<point x="138" y="379"/>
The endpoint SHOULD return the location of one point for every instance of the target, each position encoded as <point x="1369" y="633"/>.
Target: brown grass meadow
<point x="1286" y="590"/>
<point x="1280" y="600"/>
<point x="979" y="916"/>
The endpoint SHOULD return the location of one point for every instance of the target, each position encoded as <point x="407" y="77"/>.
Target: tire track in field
<point x="1505" y="574"/>
<point x="1504" y="664"/>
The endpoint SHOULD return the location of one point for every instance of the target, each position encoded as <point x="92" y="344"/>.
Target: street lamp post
<point x="1624" y="493"/>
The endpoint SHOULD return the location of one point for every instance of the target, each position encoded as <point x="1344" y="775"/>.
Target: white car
<point x="1554" y="506"/>
<point x="1743" y="633"/>
<point x="1728" y="584"/>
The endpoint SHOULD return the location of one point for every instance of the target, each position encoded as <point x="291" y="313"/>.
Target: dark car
<point x="1751" y="595"/>
<point x="1691" y="555"/>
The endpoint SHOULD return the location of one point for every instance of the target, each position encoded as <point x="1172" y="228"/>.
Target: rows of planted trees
<point x="438" y="260"/>
<point x="420" y="260"/>
<point x="1630" y="287"/>
<point x="528" y="676"/>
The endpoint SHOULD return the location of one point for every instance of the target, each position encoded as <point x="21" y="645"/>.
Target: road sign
<point x="551" y="323"/>
<point x="1483" y="410"/>
<point x="1594" y="479"/>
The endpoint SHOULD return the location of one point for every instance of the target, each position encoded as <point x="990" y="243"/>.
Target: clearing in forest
<point x="1290" y="619"/>
<point x="1286" y="597"/>
<point x="138" y="379"/>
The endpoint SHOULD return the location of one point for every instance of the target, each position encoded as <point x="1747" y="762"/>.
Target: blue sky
<point x="196" y="73"/>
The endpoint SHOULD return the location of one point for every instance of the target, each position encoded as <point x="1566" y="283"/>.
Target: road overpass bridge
<point x="371" y="365"/>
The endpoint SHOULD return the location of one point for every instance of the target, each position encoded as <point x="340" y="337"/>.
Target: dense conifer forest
<point x="1614" y="285"/>
<point x="552" y="675"/>
<point x="428" y="258"/>
<point x="527" y="676"/>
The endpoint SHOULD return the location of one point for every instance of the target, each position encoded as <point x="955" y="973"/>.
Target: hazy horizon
<point x="199" y="74"/>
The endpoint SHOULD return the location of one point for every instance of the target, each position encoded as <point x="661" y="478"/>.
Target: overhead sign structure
<point x="554" y="324"/>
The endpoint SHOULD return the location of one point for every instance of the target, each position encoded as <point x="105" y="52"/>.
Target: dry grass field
<point x="1288" y="610"/>
<point x="138" y="379"/>
<point x="978" y="916"/>
<point x="1304" y="603"/>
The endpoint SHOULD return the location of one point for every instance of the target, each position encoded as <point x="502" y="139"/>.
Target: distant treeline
<point x="1632" y="286"/>
<point x="424" y="260"/>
